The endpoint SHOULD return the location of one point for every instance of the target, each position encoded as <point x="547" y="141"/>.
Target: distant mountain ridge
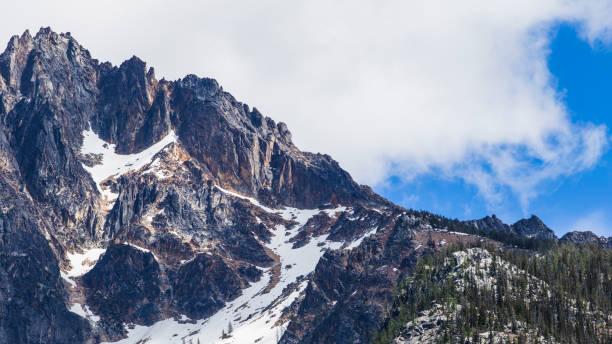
<point x="586" y="238"/>
<point x="531" y="227"/>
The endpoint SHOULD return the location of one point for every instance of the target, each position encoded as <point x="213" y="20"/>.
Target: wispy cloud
<point x="522" y="169"/>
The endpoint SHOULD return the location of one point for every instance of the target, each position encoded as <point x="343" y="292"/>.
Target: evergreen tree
<point x="566" y="295"/>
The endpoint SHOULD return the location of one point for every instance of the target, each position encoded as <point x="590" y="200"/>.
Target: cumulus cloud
<point x="386" y="87"/>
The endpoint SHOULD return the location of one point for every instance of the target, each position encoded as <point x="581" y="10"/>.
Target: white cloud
<point x="386" y="87"/>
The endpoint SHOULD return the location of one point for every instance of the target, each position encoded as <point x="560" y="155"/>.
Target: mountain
<point x="186" y="198"/>
<point x="483" y="294"/>
<point x="532" y="227"/>
<point x="141" y="210"/>
<point x="586" y="238"/>
<point x="490" y="224"/>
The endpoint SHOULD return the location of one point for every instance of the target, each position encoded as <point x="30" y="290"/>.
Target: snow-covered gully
<point x="256" y="313"/>
<point x="111" y="164"/>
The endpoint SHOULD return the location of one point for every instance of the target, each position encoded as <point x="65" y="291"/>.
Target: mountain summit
<point x="532" y="227"/>
<point x="186" y="198"/>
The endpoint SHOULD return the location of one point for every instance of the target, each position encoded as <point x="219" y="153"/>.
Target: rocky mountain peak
<point x="52" y="76"/>
<point x="489" y="223"/>
<point x="533" y="227"/>
<point x="103" y="163"/>
<point x="586" y="238"/>
<point x="13" y="60"/>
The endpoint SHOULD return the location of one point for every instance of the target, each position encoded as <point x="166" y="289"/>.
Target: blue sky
<point x="583" y="78"/>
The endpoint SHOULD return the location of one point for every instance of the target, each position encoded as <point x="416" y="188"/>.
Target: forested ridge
<point x="561" y="295"/>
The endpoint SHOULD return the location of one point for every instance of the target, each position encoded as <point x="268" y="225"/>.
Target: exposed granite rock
<point x="426" y="327"/>
<point x="204" y="285"/>
<point x="125" y="286"/>
<point x="249" y="153"/>
<point x="468" y="269"/>
<point x="52" y="90"/>
<point x="586" y="238"/>
<point x="32" y="295"/>
<point x="50" y="95"/>
<point x="132" y="107"/>
<point x="187" y="206"/>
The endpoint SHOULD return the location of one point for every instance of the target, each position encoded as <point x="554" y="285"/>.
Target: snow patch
<point x="137" y="247"/>
<point x="254" y="314"/>
<point x="250" y="199"/>
<point x="68" y="279"/>
<point x="358" y="241"/>
<point x="113" y="164"/>
<point x="81" y="263"/>
<point x="142" y="249"/>
<point x="332" y="212"/>
<point x="85" y="312"/>
<point x="290" y="214"/>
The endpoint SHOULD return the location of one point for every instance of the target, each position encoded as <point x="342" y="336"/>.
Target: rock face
<point x="195" y="199"/>
<point x="32" y="298"/>
<point x="586" y="238"/>
<point x="125" y="286"/>
<point x="46" y="96"/>
<point x="204" y="284"/>
<point x="343" y="302"/>
<point x="425" y="328"/>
